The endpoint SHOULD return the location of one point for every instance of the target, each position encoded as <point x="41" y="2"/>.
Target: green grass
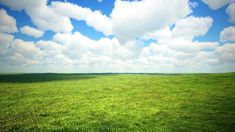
<point x="117" y="102"/>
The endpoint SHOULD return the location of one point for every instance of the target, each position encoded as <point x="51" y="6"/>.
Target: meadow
<point x="117" y="102"/>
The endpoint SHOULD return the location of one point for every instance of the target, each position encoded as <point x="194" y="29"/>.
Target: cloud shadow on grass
<point x="42" y="77"/>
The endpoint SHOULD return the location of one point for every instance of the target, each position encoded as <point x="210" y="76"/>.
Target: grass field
<point x="117" y="102"/>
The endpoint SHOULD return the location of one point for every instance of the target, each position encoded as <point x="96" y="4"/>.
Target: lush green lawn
<point x="117" y="102"/>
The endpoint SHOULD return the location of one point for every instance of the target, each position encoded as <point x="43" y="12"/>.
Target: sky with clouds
<point x="164" y="36"/>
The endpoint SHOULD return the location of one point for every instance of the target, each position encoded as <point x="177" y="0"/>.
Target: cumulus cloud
<point x="226" y="53"/>
<point x="5" y="41"/>
<point x="231" y="12"/>
<point x="95" y="19"/>
<point x="20" y="53"/>
<point x="26" y="48"/>
<point x="216" y="4"/>
<point x="161" y="34"/>
<point x="192" y="27"/>
<point x="41" y="14"/>
<point x="8" y="23"/>
<point x="23" y="4"/>
<point x="110" y="55"/>
<point x="156" y="49"/>
<point x="76" y="45"/>
<point x="207" y="45"/>
<point x="40" y="55"/>
<point x="48" y="46"/>
<point x="104" y="55"/>
<point x="180" y="38"/>
<point x="82" y="54"/>
<point x="51" y="53"/>
<point x="183" y="45"/>
<point x="132" y="19"/>
<point x="30" y="31"/>
<point x="228" y="34"/>
<point x="163" y="57"/>
<point x="172" y="49"/>
<point x="175" y="48"/>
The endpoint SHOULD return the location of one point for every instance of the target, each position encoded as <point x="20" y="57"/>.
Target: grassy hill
<point x="117" y="102"/>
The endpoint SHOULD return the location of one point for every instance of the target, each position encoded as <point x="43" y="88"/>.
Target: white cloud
<point x="207" y="45"/>
<point x="78" y="53"/>
<point x="180" y="38"/>
<point x="192" y="27"/>
<point x="76" y="45"/>
<point x="173" y="50"/>
<point x="104" y="55"/>
<point x="19" y="59"/>
<point x="8" y="23"/>
<point x="5" y="41"/>
<point x="41" y="14"/>
<point x="226" y="53"/>
<point x="163" y="34"/>
<point x="27" y="53"/>
<point x="46" y="19"/>
<point x="176" y="49"/>
<point x="134" y="19"/>
<point x="20" y="53"/>
<point x="51" y="53"/>
<point x="170" y="54"/>
<point x="95" y="19"/>
<point x="216" y="4"/>
<point x="228" y="34"/>
<point x="156" y="49"/>
<point x="48" y="45"/>
<point x="183" y="45"/>
<point x="30" y="31"/>
<point x="231" y="12"/>
<point x="23" y="4"/>
<point x="26" y="48"/>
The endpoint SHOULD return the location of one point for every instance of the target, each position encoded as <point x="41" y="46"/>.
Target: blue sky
<point x="117" y="36"/>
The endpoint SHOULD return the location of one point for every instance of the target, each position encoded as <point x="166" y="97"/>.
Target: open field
<point x="117" y="102"/>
